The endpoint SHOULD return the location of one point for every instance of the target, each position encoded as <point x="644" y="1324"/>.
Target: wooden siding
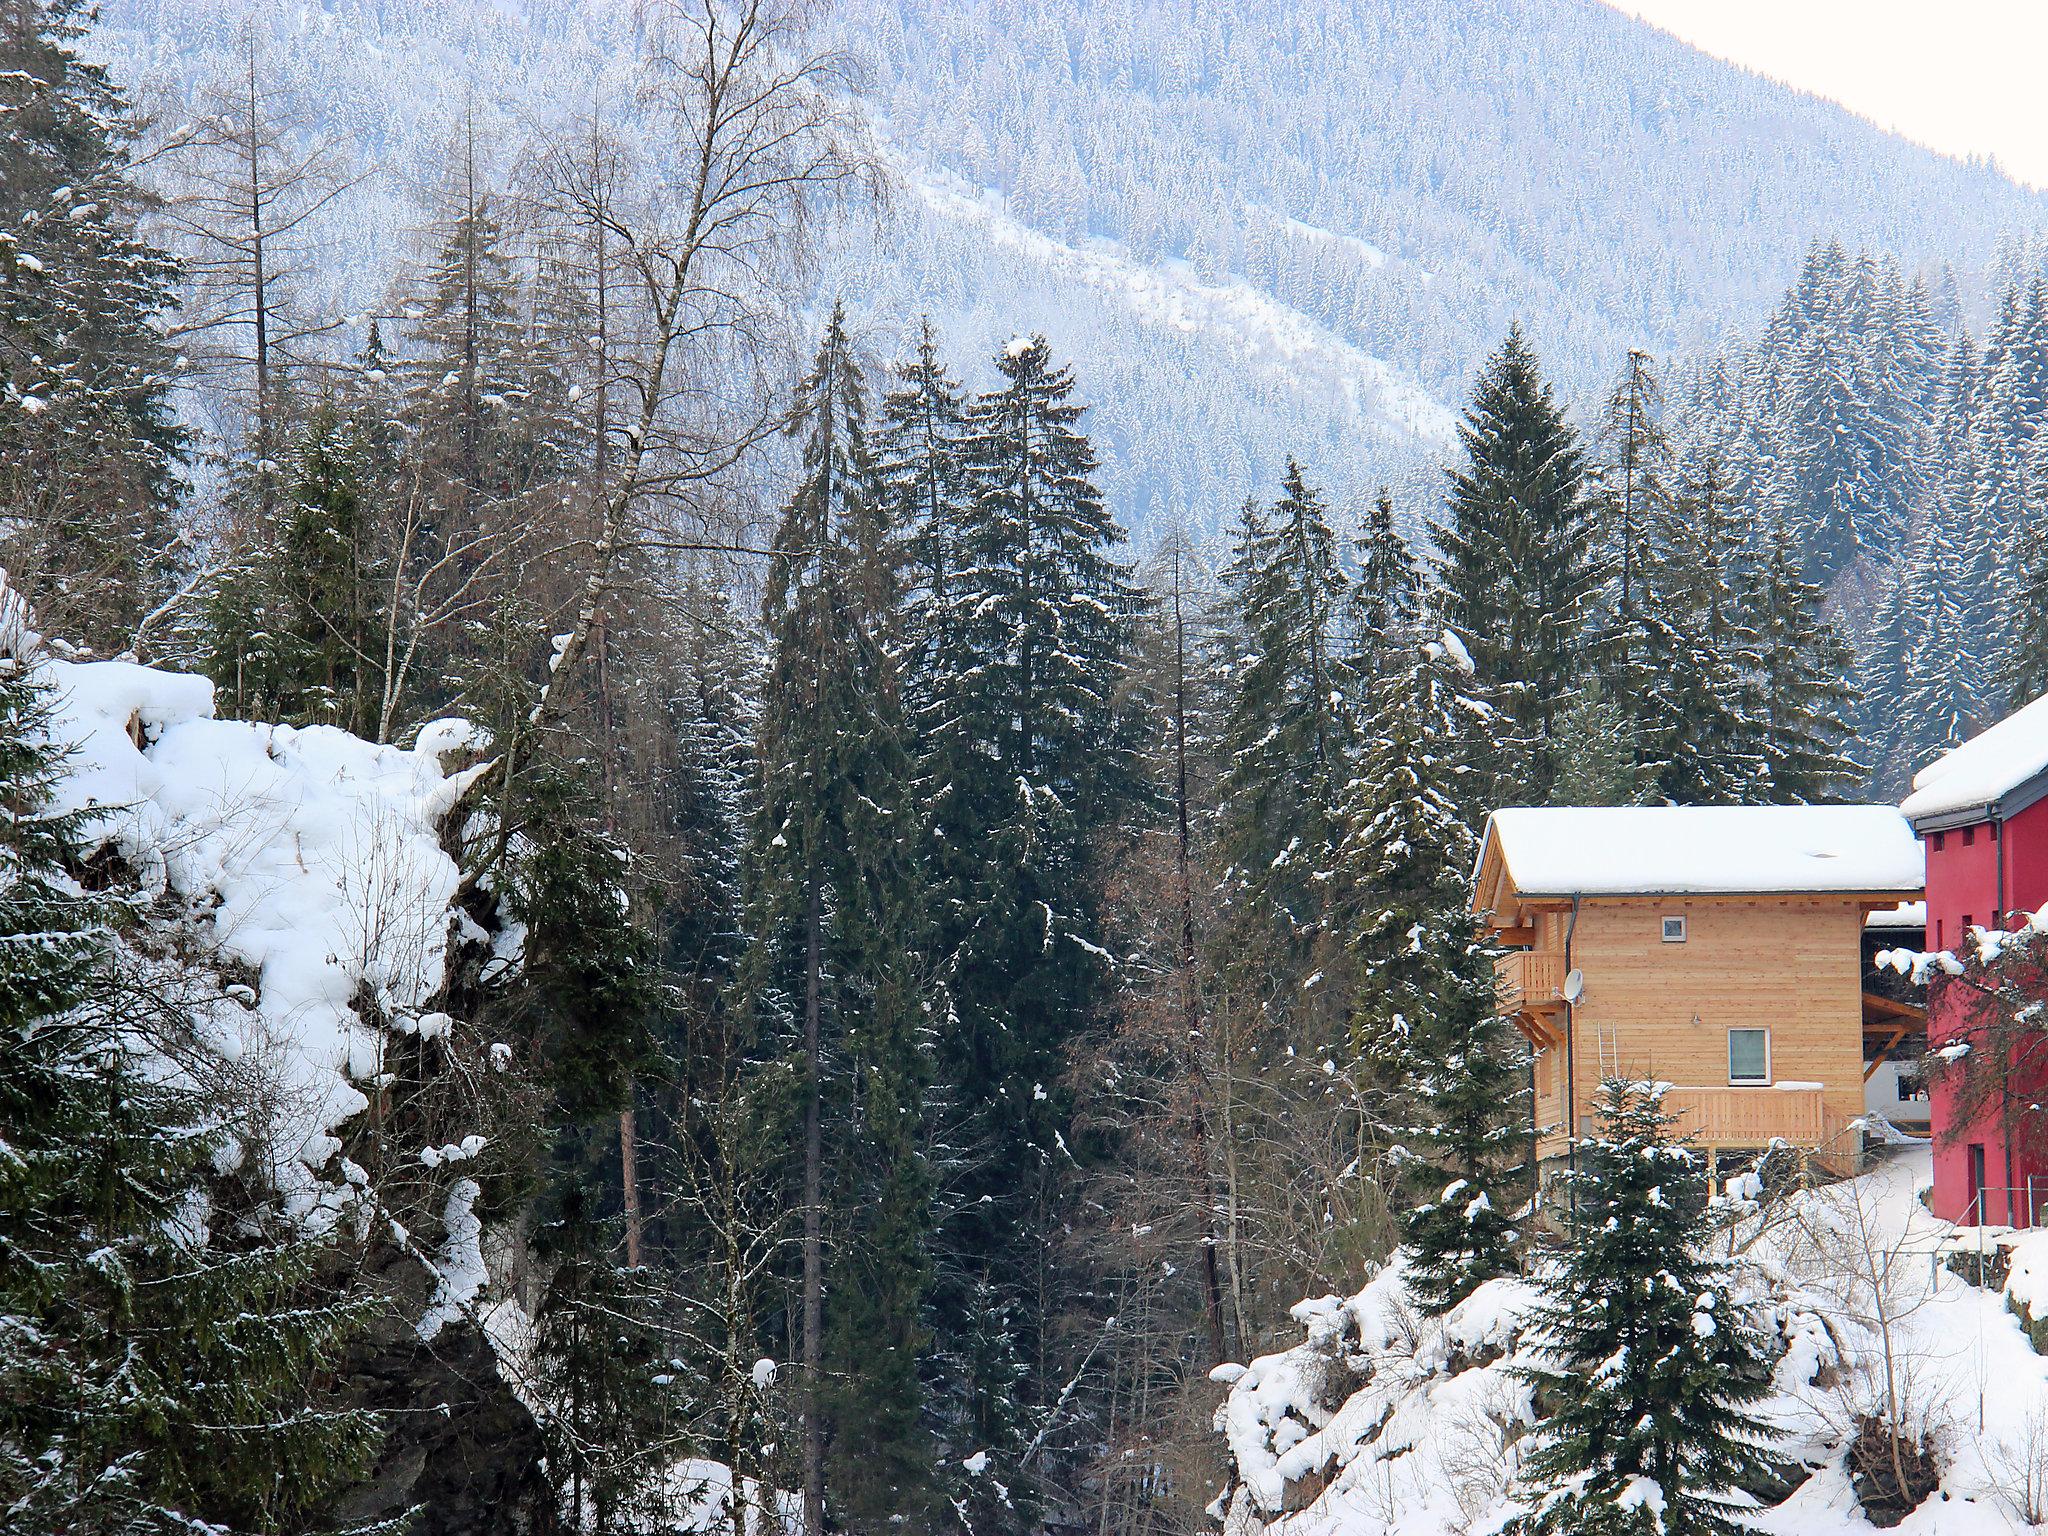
<point x="1657" y="1010"/>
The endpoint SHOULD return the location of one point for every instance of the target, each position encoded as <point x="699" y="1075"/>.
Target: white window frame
<point x="1673" y="935"/>
<point x="1749" y="1082"/>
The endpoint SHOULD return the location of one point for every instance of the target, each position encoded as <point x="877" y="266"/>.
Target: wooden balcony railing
<point x="1531" y="978"/>
<point x="1753" y="1117"/>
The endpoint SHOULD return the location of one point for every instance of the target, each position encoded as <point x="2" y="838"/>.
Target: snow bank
<point x="1383" y="1423"/>
<point x="305" y="861"/>
<point x="1985" y="768"/>
<point x="701" y="1499"/>
<point x="1680" y="849"/>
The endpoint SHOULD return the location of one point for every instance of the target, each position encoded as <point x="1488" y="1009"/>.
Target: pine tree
<point x="1650" y="1371"/>
<point x="89" y="443"/>
<point x="1287" y="735"/>
<point x="1521" y="568"/>
<point x="837" y="903"/>
<point x="1801" y="670"/>
<point x="152" y="1376"/>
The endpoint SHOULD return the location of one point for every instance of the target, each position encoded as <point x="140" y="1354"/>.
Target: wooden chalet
<point x="1716" y="949"/>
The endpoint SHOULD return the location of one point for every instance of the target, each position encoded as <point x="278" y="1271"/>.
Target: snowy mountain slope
<point x="1384" y="1424"/>
<point x="1258" y="229"/>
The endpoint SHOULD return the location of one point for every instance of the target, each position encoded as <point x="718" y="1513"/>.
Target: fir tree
<point x="151" y="1377"/>
<point x="1650" y="1371"/>
<point x="1521" y="569"/>
<point x="89" y="444"/>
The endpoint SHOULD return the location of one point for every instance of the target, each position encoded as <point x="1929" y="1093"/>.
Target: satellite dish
<point x="1574" y="986"/>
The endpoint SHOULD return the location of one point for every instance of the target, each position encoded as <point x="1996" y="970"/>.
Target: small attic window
<point x="1674" y="930"/>
<point x="1969" y="837"/>
<point x="1939" y="839"/>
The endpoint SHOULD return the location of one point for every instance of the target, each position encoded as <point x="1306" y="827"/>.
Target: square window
<point x="1749" y="1055"/>
<point x="1674" y="930"/>
<point x="1939" y="839"/>
<point x="1969" y="837"/>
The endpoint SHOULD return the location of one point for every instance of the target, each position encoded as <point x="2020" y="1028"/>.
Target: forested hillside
<point x="627" y="901"/>
<point x="1270" y="229"/>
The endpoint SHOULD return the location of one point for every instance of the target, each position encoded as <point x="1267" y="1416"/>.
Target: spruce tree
<point x="1800" y="668"/>
<point x="837" y="906"/>
<point x="89" y="442"/>
<point x="1633" y="494"/>
<point x="2023" y="668"/>
<point x="1287" y="735"/>
<point x="1650" y="1372"/>
<point x="1444" y="1075"/>
<point x="153" y="1375"/>
<point x="1521" y="567"/>
<point x="1028" y="750"/>
<point x="920" y="455"/>
<point x="476" y="431"/>
<point x="1386" y="599"/>
<point x="1701" y="737"/>
<point x="295" y="632"/>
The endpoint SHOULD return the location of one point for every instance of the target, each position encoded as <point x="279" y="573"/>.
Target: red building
<point x="1982" y="813"/>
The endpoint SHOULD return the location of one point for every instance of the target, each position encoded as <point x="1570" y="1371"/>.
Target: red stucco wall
<point x="1962" y="888"/>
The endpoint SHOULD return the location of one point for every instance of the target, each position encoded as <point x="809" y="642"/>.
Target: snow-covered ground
<point x="1382" y="1423"/>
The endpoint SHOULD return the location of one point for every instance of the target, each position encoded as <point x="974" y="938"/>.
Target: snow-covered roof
<point x="1672" y="850"/>
<point x="2010" y="759"/>
<point x="1907" y="914"/>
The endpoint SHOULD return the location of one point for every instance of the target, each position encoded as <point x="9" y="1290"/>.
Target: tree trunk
<point x="1191" y="1005"/>
<point x="814" y="1268"/>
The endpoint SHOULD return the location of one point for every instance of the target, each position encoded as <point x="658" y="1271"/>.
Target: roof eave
<point x="2027" y="792"/>
<point x="1856" y="892"/>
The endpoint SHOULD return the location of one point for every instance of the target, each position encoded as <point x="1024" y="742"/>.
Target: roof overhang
<point x="1858" y="895"/>
<point x="2026" y="793"/>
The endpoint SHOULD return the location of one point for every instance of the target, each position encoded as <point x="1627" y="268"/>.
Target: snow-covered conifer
<point x="1650" y="1372"/>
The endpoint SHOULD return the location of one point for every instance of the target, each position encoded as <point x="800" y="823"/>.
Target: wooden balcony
<point x="1753" y="1117"/>
<point x="1531" y="979"/>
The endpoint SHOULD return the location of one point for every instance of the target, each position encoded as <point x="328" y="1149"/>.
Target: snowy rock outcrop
<point x="295" y="901"/>
<point x="308" y="868"/>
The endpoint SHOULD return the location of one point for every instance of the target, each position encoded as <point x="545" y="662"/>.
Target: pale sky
<point x="1962" y="76"/>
